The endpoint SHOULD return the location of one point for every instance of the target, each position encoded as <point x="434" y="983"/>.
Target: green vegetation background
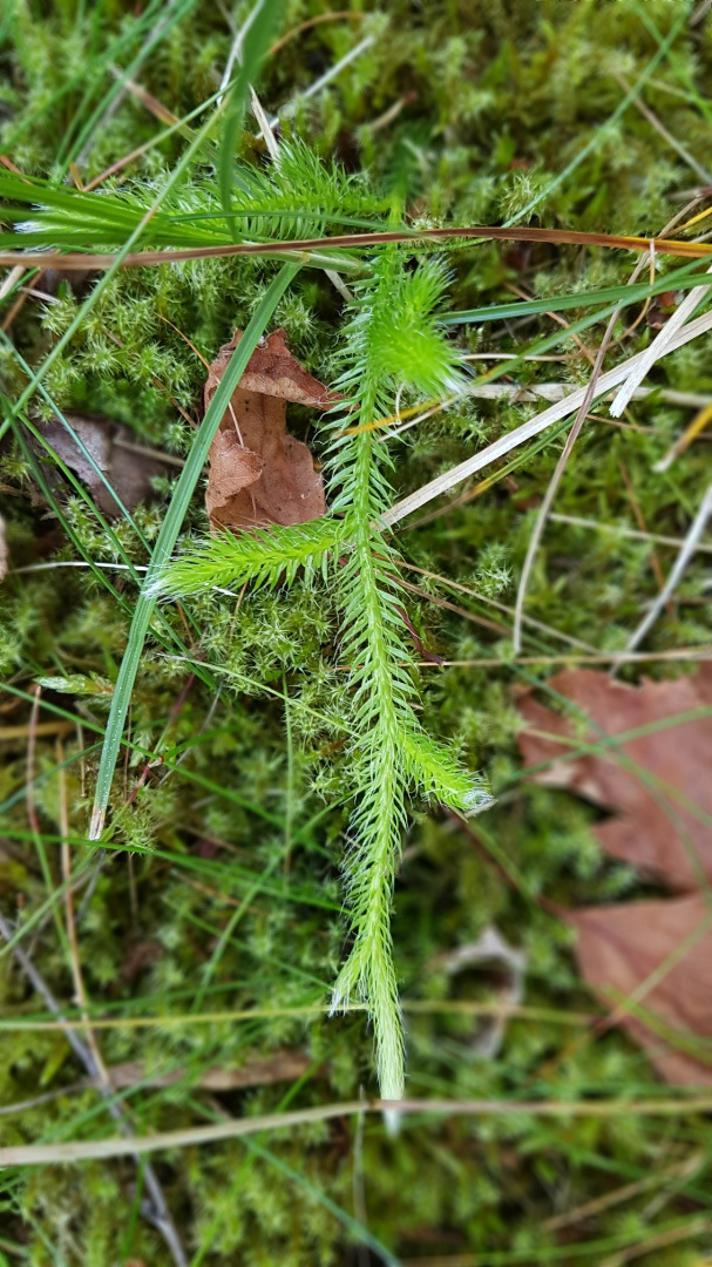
<point x="222" y="889"/>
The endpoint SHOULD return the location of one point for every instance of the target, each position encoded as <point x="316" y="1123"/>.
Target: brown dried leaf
<point x="643" y="957"/>
<point x="282" y="1066"/>
<point x="619" y="947"/>
<point x="129" y="468"/>
<point x="260" y="474"/>
<point x="654" y="826"/>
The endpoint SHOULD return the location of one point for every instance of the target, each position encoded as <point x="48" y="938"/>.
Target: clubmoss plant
<point x="391" y="342"/>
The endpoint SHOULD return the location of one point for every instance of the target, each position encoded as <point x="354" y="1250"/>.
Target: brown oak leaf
<point x="259" y="473"/>
<point x="650" y="961"/>
<point x="621" y="948"/>
<point x="129" y="467"/>
<point x="656" y="784"/>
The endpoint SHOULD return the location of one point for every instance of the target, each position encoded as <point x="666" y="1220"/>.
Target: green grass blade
<point x="594" y="141"/>
<point x="262" y="25"/>
<point x="680" y="279"/>
<point x="157" y="23"/>
<point x="167" y="539"/>
<point x="136" y="234"/>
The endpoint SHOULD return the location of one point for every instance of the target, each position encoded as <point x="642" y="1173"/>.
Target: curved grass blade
<point x="261" y="25"/>
<point x="168" y="537"/>
<point x="684" y="278"/>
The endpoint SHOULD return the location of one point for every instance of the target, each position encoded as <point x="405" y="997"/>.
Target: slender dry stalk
<point x="689" y="547"/>
<point x="11" y="280"/>
<point x="572" y="437"/>
<point x="655" y="564"/>
<point x="658" y="348"/>
<point x="179" y="1020"/>
<point x="679" y="1170"/>
<point x="292" y="106"/>
<point x="691" y="1228"/>
<point x="505" y="444"/>
<point x="32" y="818"/>
<point x="690" y="655"/>
<point x="239" y="1128"/>
<point x="622" y="531"/>
<point x="340" y="15"/>
<point x="451" y="584"/>
<point x="700" y="171"/>
<point x="554" y="482"/>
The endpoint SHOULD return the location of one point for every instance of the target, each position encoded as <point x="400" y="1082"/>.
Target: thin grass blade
<point x="257" y="38"/>
<point x="167" y="539"/>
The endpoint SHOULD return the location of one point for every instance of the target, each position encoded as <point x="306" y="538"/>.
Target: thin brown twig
<point x="660" y="1240"/>
<point x="41" y="728"/>
<point x="177" y="1020"/>
<point x="337" y="15"/>
<point x="452" y="584"/>
<point x="668" y="1236"/>
<point x="664" y="132"/>
<point x="617" y="1196"/>
<point x="114" y="168"/>
<point x="558" y="320"/>
<point x="682" y="654"/>
<point x="74" y="260"/>
<point x="493" y="625"/>
<point x="391" y="114"/>
<point x="139" y="93"/>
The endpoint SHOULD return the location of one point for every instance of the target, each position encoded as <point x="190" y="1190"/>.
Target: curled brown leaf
<point x="259" y="473"/>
